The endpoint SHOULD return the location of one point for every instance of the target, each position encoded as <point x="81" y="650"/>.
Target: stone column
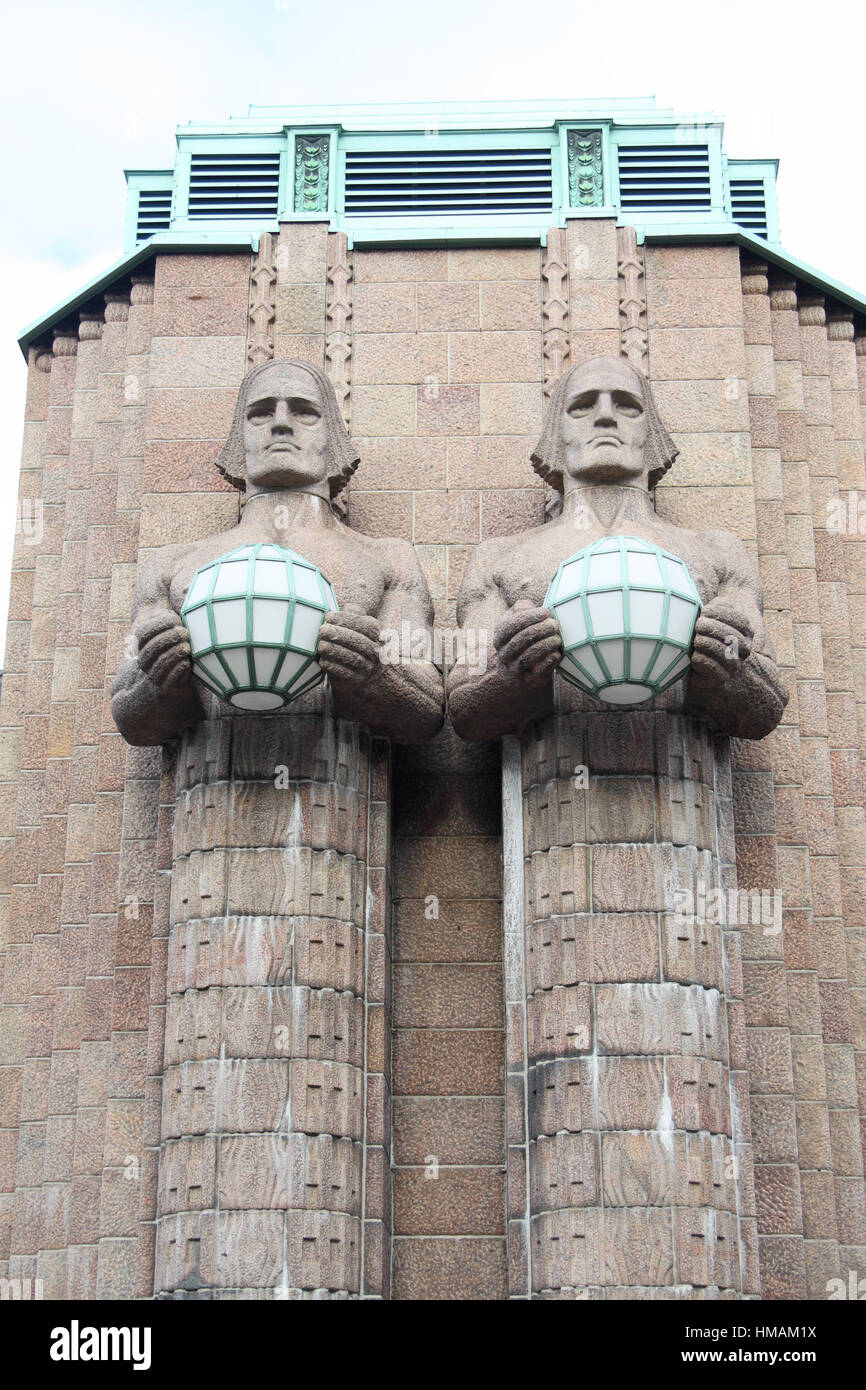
<point x="261" y="1156"/>
<point x="640" y="1173"/>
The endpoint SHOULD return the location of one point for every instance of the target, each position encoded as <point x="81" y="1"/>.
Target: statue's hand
<point x="349" y="649"/>
<point x="163" y="649"/>
<point x="723" y="641"/>
<point x="528" y="643"/>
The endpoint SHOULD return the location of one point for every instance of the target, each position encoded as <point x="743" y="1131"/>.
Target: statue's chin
<point x="282" y="477"/>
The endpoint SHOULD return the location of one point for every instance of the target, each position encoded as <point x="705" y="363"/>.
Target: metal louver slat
<point x="661" y="178"/>
<point x="154" y="212"/>
<point x="398" y="182"/>
<point x="239" y="187"/>
<point x="749" y="204"/>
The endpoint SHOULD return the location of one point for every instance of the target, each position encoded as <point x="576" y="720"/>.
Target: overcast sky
<point x="90" y="88"/>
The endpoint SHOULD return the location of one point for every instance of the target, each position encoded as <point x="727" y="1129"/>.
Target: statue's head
<point x="287" y="432"/>
<point x="602" y="426"/>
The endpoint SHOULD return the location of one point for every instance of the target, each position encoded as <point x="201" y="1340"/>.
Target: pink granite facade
<point x="444" y="1188"/>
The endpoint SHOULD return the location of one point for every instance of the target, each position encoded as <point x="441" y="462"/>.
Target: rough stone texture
<point x="636" y="1167"/>
<point x="770" y="430"/>
<point x="449" y="1102"/>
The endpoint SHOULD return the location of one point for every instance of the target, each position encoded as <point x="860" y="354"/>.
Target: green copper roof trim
<point x="193" y="243"/>
<point x="201" y="243"/>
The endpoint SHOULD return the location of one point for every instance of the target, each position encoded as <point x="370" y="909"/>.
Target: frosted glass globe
<point x="626" y="611"/>
<point x="253" y="619"/>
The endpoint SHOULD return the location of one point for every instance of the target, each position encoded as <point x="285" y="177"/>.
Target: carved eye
<point x="306" y="413"/>
<point x="628" y="405"/>
<point x="581" y="405"/>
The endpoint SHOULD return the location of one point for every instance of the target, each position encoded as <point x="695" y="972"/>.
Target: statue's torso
<point x="352" y="563"/>
<point x="524" y="565"/>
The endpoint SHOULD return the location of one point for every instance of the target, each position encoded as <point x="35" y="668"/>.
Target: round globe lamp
<point x="253" y="619"/>
<point x="626" y="611"/>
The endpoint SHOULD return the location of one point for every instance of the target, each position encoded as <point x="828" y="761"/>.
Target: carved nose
<point x="282" y="421"/>
<point x="604" y="411"/>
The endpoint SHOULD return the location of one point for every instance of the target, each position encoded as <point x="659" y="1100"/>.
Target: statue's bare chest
<point x="526" y="571"/>
<point x="356" y="575"/>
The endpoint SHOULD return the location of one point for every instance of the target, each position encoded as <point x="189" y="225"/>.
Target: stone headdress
<point x="343" y="456"/>
<point x="548" y="456"/>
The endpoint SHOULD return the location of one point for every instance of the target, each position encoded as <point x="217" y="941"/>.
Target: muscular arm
<point x="734" y="679"/>
<point x="503" y="678"/>
<point x="153" y="697"/>
<point x="375" y="680"/>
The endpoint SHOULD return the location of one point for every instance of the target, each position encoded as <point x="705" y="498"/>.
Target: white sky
<point x="92" y="87"/>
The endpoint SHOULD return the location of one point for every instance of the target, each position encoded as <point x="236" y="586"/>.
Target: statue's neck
<point x="608" y="506"/>
<point x="278" y="511"/>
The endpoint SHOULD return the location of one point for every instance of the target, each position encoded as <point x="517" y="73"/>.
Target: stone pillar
<point x="261" y="1158"/>
<point x="640" y="1171"/>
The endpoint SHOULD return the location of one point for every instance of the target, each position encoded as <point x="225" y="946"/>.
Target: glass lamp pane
<point x="663" y="660"/>
<point x="269" y="620"/>
<point x="613" y="656"/>
<point x="237" y="662"/>
<point x="677" y="576"/>
<point x="257" y="700"/>
<point x="604" y="570"/>
<point x="330" y="596"/>
<point x="625" y="694"/>
<point x="200" y="585"/>
<point x="677" y="669"/>
<point x="198" y="628"/>
<point x="305" y="628"/>
<point x="643" y="568"/>
<point x="212" y="664"/>
<point x="646" y="611"/>
<point x="232" y="578"/>
<point x="605" y="611"/>
<point x="681" y="619"/>
<point x="292" y="663"/>
<point x="571" y="621"/>
<point x="264" y="663"/>
<point x="308" y="680"/>
<point x="587" y="658"/>
<point x="230" y="619"/>
<point x="306" y="583"/>
<point x="642" y="649"/>
<point x="206" y="680"/>
<point x="569" y="579"/>
<point x="569" y="669"/>
<point x="271" y="577"/>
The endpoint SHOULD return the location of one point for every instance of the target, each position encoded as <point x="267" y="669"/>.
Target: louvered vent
<point x="664" y="178"/>
<point x="453" y="182"/>
<point x="749" y="205"/>
<point x="234" y="187"/>
<point x="154" y="212"/>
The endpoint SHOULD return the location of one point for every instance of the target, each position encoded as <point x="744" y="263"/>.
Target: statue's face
<point x="604" y="428"/>
<point x="285" y="434"/>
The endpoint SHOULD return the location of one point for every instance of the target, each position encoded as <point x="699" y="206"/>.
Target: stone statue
<point x="289" y="452"/>
<point x="604" y="446"/>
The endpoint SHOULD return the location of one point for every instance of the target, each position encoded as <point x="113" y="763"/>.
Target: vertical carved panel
<point x="263" y="292"/>
<point x="554" y="339"/>
<point x="311" y="172"/>
<point x="554" y="273"/>
<point x="585" y="169"/>
<point x="632" y="298"/>
<point x="338" y="332"/>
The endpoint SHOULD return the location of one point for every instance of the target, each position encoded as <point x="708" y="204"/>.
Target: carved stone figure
<point x="604" y="446"/>
<point x="289" y="452"/>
